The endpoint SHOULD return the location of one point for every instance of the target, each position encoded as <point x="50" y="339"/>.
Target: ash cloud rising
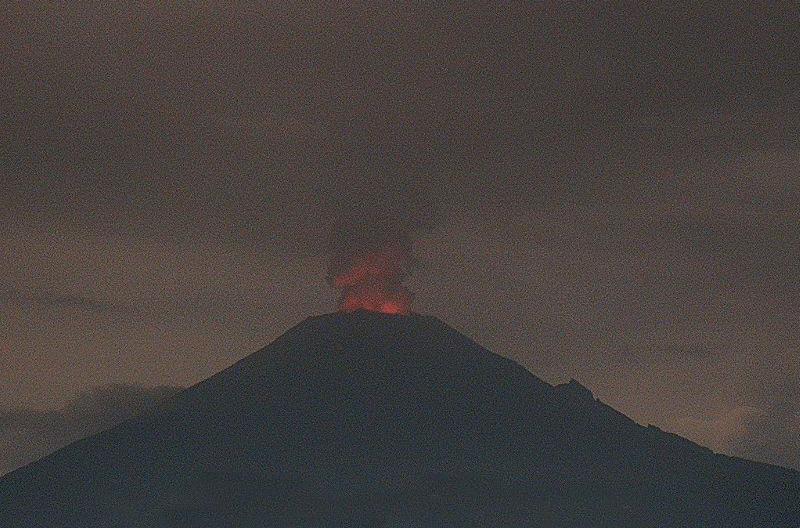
<point x="371" y="255"/>
<point x="369" y="262"/>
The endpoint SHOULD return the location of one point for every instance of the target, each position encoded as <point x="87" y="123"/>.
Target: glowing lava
<point x="373" y="281"/>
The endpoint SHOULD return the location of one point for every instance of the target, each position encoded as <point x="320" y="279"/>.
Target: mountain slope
<point x="371" y="420"/>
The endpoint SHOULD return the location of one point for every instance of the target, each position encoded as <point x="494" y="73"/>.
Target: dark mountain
<point x="373" y="420"/>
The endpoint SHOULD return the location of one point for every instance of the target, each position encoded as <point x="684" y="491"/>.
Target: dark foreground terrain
<point x="373" y="420"/>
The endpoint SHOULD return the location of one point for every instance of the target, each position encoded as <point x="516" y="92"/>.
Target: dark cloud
<point x="59" y="301"/>
<point x="27" y="435"/>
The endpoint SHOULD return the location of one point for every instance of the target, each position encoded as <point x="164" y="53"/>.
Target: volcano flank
<point x="368" y="419"/>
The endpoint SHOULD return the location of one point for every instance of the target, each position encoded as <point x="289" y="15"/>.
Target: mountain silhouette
<point x="366" y="419"/>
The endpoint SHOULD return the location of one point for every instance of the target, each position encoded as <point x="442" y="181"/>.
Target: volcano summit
<point x="368" y="419"/>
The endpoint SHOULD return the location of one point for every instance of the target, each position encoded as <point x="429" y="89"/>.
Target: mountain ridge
<point x="370" y="419"/>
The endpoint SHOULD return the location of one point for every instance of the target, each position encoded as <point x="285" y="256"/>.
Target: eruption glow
<point x="372" y="280"/>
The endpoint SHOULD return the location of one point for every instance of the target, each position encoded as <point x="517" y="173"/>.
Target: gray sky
<point x="606" y="195"/>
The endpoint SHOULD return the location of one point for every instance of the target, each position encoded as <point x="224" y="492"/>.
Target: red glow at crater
<point x="372" y="281"/>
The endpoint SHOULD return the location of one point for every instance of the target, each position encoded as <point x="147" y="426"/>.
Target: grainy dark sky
<point x="608" y="194"/>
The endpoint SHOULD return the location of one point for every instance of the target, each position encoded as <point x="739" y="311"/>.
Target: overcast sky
<point x="599" y="194"/>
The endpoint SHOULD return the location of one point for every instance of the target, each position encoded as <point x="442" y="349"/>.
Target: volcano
<point x="368" y="419"/>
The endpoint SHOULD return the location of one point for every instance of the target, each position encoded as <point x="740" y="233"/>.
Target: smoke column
<point x="371" y="239"/>
<point x="368" y="268"/>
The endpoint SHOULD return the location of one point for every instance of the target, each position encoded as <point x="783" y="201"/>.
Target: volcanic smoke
<point x="372" y="280"/>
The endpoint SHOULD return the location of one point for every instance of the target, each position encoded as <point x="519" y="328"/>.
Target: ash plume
<point x="370" y="260"/>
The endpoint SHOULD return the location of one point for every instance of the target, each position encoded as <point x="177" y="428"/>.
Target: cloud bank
<point x="27" y="435"/>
